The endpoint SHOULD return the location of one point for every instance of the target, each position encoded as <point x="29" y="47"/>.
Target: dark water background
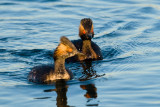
<point x="127" y="31"/>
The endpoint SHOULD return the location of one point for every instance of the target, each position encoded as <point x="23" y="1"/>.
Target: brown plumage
<point x="50" y="73"/>
<point x="85" y="45"/>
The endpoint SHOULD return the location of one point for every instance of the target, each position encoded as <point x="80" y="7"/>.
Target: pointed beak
<point x="81" y="56"/>
<point x="89" y="36"/>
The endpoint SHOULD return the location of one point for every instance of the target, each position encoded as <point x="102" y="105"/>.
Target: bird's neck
<point x="88" y="50"/>
<point x="59" y="66"/>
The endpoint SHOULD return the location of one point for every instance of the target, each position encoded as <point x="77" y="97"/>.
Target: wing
<point x="39" y="74"/>
<point x="97" y="50"/>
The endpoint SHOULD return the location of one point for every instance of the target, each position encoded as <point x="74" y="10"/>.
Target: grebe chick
<point x="85" y="45"/>
<point x="51" y="73"/>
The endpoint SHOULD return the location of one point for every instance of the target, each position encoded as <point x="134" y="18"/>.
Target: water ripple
<point x="127" y="31"/>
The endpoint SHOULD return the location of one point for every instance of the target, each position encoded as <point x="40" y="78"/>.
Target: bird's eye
<point x="92" y="30"/>
<point x="84" y="32"/>
<point x="70" y="50"/>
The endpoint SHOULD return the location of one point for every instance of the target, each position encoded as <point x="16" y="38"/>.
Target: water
<point x="126" y="30"/>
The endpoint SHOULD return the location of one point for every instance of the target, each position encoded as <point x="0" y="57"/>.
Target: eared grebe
<point x="85" y="45"/>
<point x="50" y="73"/>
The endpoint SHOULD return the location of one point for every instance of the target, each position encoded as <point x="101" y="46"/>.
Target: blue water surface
<point x="127" y="31"/>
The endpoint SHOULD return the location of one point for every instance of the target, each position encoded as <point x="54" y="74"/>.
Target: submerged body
<point x="51" y="73"/>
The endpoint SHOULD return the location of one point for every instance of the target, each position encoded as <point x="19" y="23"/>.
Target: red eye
<point x="84" y="32"/>
<point x="92" y="30"/>
<point x="69" y="50"/>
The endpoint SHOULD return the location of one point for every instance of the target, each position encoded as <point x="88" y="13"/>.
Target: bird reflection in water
<point x="88" y="71"/>
<point x="91" y="90"/>
<point x="61" y="90"/>
<point x="91" y="94"/>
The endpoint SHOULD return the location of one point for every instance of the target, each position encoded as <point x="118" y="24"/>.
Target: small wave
<point x="148" y="10"/>
<point x="109" y="34"/>
<point x="27" y="53"/>
<point x="137" y="16"/>
<point x="6" y="39"/>
<point x="123" y="1"/>
<point x="110" y="52"/>
<point x="50" y="0"/>
<point x="7" y="3"/>
<point x="153" y="28"/>
<point x="31" y="57"/>
<point x="130" y="53"/>
<point x="37" y="0"/>
<point x="130" y="26"/>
